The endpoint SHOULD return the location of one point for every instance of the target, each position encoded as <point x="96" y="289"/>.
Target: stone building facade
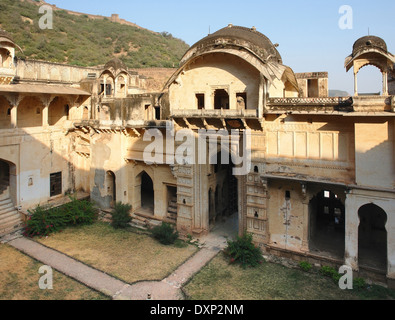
<point x="320" y="184"/>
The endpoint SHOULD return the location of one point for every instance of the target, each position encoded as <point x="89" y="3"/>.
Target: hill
<point x="338" y="93"/>
<point x="84" y="40"/>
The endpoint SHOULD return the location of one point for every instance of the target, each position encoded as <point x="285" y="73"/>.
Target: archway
<point x="370" y="81"/>
<point x="111" y="188"/>
<point x="372" y="237"/>
<point x="8" y="181"/>
<point x="147" y="193"/>
<point x="224" y="199"/>
<point x="327" y="225"/>
<point x="4" y="177"/>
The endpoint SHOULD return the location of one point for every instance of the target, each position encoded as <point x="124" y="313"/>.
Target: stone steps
<point x="10" y="219"/>
<point x="172" y="210"/>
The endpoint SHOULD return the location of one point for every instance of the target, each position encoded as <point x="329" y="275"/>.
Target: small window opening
<point x="241" y="99"/>
<point x="327" y="194"/>
<point x="55" y="184"/>
<point x="256" y="170"/>
<point x="157" y="113"/>
<point x="200" y="101"/>
<point x="287" y="195"/>
<point x="9" y="112"/>
<point x="67" y="111"/>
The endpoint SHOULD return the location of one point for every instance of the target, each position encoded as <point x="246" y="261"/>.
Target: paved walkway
<point x="167" y="289"/>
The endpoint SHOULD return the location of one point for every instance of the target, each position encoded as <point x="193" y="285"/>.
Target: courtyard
<point x="137" y="259"/>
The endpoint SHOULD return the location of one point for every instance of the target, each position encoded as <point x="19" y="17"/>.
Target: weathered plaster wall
<point x="374" y="154"/>
<point x="316" y="148"/>
<point x="211" y="72"/>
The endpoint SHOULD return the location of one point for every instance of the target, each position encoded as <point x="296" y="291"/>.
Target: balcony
<point x="218" y="113"/>
<point x="360" y="105"/>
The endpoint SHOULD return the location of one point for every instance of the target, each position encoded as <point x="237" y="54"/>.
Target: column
<point x="14" y="123"/>
<point x="352" y="225"/>
<point x="105" y="86"/>
<point x="385" y="83"/>
<point x="45" y="116"/>
<point x="46" y="101"/>
<point x="306" y="220"/>
<point x="14" y="101"/>
<point x="390" y="211"/>
<point x="355" y="84"/>
<point x="262" y="97"/>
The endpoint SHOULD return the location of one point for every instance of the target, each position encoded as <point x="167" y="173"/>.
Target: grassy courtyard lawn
<point x="19" y="279"/>
<point x="127" y="255"/>
<point x="221" y="281"/>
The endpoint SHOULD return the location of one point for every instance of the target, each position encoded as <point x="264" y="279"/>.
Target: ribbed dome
<point x="369" y="42"/>
<point x="6" y="35"/>
<point x="258" y="42"/>
<point x="116" y="64"/>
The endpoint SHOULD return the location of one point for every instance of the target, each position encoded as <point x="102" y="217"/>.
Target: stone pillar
<point x="45" y="116"/>
<point x="306" y="219"/>
<point x="46" y="101"/>
<point x="390" y="210"/>
<point x="14" y="123"/>
<point x="105" y="86"/>
<point x="14" y="101"/>
<point x="385" y="83"/>
<point x="352" y="225"/>
<point x="115" y="87"/>
<point x="355" y="84"/>
<point x="262" y="97"/>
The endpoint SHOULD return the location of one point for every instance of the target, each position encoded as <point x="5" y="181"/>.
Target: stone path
<point x="167" y="289"/>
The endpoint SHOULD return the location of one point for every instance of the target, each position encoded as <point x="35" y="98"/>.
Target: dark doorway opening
<point x="55" y="184"/>
<point x="327" y="225"/>
<point x="221" y="99"/>
<point x="224" y="200"/>
<point x="147" y="193"/>
<point x="372" y="237"/>
<point x="4" y="176"/>
<point x="111" y="188"/>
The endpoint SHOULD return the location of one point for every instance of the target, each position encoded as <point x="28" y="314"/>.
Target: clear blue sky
<point x="308" y="31"/>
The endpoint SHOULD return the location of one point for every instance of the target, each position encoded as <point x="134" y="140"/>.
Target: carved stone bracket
<point x="304" y="189"/>
<point x="264" y="181"/>
<point x="14" y="99"/>
<point x="174" y="170"/>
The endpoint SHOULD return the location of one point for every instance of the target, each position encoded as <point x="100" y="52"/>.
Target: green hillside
<point x="79" y="40"/>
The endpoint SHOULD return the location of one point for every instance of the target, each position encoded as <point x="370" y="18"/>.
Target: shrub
<point x="165" y="234"/>
<point x="121" y="215"/>
<point x="45" y="220"/>
<point x="359" y="284"/>
<point x="328" y="271"/>
<point x="244" y="252"/>
<point x="305" y="266"/>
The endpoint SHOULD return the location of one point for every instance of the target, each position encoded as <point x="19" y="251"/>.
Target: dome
<point x="369" y="42"/>
<point x="241" y="37"/>
<point x="115" y="64"/>
<point x="6" y="37"/>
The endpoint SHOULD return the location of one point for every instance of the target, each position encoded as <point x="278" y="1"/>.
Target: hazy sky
<point x="307" y="31"/>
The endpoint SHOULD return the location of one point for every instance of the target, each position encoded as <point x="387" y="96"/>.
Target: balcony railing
<point x="218" y="113"/>
<point x="330" y="101"/>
